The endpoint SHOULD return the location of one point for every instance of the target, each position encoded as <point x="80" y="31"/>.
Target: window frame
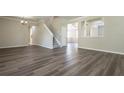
<point x="88" y="28"/>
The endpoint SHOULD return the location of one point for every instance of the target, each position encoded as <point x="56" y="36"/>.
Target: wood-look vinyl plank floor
<point x="66" y="61"/>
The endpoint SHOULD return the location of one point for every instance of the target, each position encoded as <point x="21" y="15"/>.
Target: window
<point x="94" y="28"/>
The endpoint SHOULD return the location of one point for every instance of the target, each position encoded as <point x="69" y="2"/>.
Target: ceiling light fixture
<point x="23" y="21"/>
<point x="26" y="22"/>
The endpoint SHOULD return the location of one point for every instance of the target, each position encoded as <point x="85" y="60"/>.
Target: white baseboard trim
<point x="42" y="46"/>
<point x="14" y="46"/>
<point x="102" y="50"/>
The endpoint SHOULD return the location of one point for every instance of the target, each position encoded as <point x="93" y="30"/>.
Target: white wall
<point x="42" y="37"/>
<point x="64" y="35"/>
<point x="13" y="34"/>
<point x="113" y="39"/>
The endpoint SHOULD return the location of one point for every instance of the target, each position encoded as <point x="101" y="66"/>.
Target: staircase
<point x="56" y="36"/>
<point x="55" y="44"/>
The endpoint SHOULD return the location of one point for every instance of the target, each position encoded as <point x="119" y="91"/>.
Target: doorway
<point x="32" y="29"/>
<point x="72" y="34"/>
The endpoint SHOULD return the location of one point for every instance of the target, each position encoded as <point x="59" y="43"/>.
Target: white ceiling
<point x="32" y="18"/>
<point x="38" y="18"/>
<point x="69" y="17"/>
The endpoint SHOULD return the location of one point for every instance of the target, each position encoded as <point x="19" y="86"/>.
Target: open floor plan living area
<point x="61" y="45"/>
